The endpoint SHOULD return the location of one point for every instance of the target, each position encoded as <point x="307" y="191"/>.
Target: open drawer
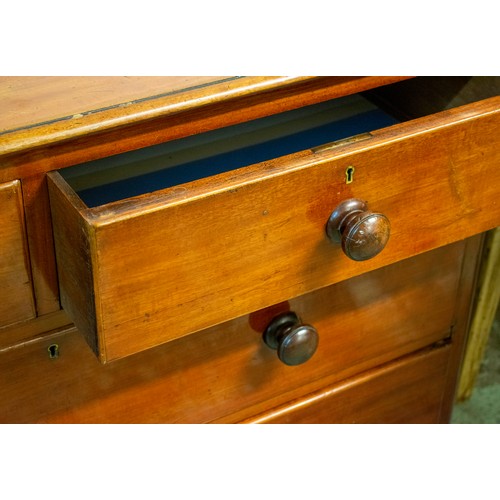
<point x="158" y="243"/>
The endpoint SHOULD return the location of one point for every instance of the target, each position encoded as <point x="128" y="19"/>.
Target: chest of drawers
<point x="180" y="221"/>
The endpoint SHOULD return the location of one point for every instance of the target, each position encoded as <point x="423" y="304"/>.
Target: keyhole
<point x="349" y="174"/>
<point x="53" y="351"/>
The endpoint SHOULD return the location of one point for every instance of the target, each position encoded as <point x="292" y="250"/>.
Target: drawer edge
<point x="362" y="399"/>
<point x="74" y="238"/>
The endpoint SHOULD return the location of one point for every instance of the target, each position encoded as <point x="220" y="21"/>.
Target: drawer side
<point x="73" y="238"/>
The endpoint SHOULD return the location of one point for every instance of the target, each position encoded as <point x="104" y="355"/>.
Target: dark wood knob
<point x="362" y="233"/>
<point x="294" y="341"/>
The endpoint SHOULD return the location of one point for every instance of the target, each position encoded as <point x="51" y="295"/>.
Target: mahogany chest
<point x="241" y="249"/>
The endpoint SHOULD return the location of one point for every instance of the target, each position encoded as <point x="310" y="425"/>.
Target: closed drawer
<point x="226" y="373"/>
<point x="16" y="294"/>
<point x="408" y="391"/>
<point x="137" y="272"/>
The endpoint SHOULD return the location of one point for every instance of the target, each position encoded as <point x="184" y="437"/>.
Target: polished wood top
<point x="38" y="111"/>
<point x="37" y="100"/>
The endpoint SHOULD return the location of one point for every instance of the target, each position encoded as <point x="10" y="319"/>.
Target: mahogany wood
<point x="74" y="238"/>
<point x="54" y="122"/>
<point x="239" y="241"/>
<point x="41" y="244"/>
<point x="16" y="295"/>
<point x="227" y="373"/>
<point x="407" y="391"/>
<point x="463" y="315"/>
<point x="126" y="106"/>
<point x="37" y="101"/>
<point x="18" y="333"/>
<point x="432" y="175"/>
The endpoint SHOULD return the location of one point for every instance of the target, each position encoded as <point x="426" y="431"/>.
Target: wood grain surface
<point x="16" y="294"/>
<point x="392" y="330"/>
<point x="188" y="257"/>
<point x="408" y="391"/>
<point x="31" y="101"/>
<point x="53" y="122"/>
<point x="124" y="103"/>
<point x="227" y="373"/>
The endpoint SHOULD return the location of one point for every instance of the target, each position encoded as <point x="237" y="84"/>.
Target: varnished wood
<point x="150" y="99"/>
<point x="484" y="315"/>
<point x="16" y="295"/>
<point x="32" y="101"/>
<point x="20" y="333"/>
<point x="230" y="237"/>
<point x="41" y="244"/>
<point x="408" y="391"/>
<point x="227" y="373"/>
<point x="461" y="321"/>
<point x="74" y="119"/>
<point x="75" y="240"/>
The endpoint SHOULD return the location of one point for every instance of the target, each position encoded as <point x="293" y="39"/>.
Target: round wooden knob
<point x="294" y="341"/>
<point x="362" y="233"/>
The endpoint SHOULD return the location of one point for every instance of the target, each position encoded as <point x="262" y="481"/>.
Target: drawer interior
<point x="177" y="162"/>
<point x="426" y="95"/>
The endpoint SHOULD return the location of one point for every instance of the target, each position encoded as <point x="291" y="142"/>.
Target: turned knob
<point x="362" y="233"/>
<point x="294" y="341"/>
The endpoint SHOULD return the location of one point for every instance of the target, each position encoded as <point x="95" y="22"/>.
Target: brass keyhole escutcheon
<point x="349" y="174"/>
<point x="53" y="351"/>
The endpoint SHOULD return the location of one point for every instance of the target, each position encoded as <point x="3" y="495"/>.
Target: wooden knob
<point x="294" y="341"/>
<point x="362" y="233"/>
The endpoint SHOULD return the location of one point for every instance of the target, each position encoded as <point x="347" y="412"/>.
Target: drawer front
<point x="16" y="295"/>
<point x="147" y="270"/>
<point x="409" y="391"/>
<point x="227" y="373"/>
